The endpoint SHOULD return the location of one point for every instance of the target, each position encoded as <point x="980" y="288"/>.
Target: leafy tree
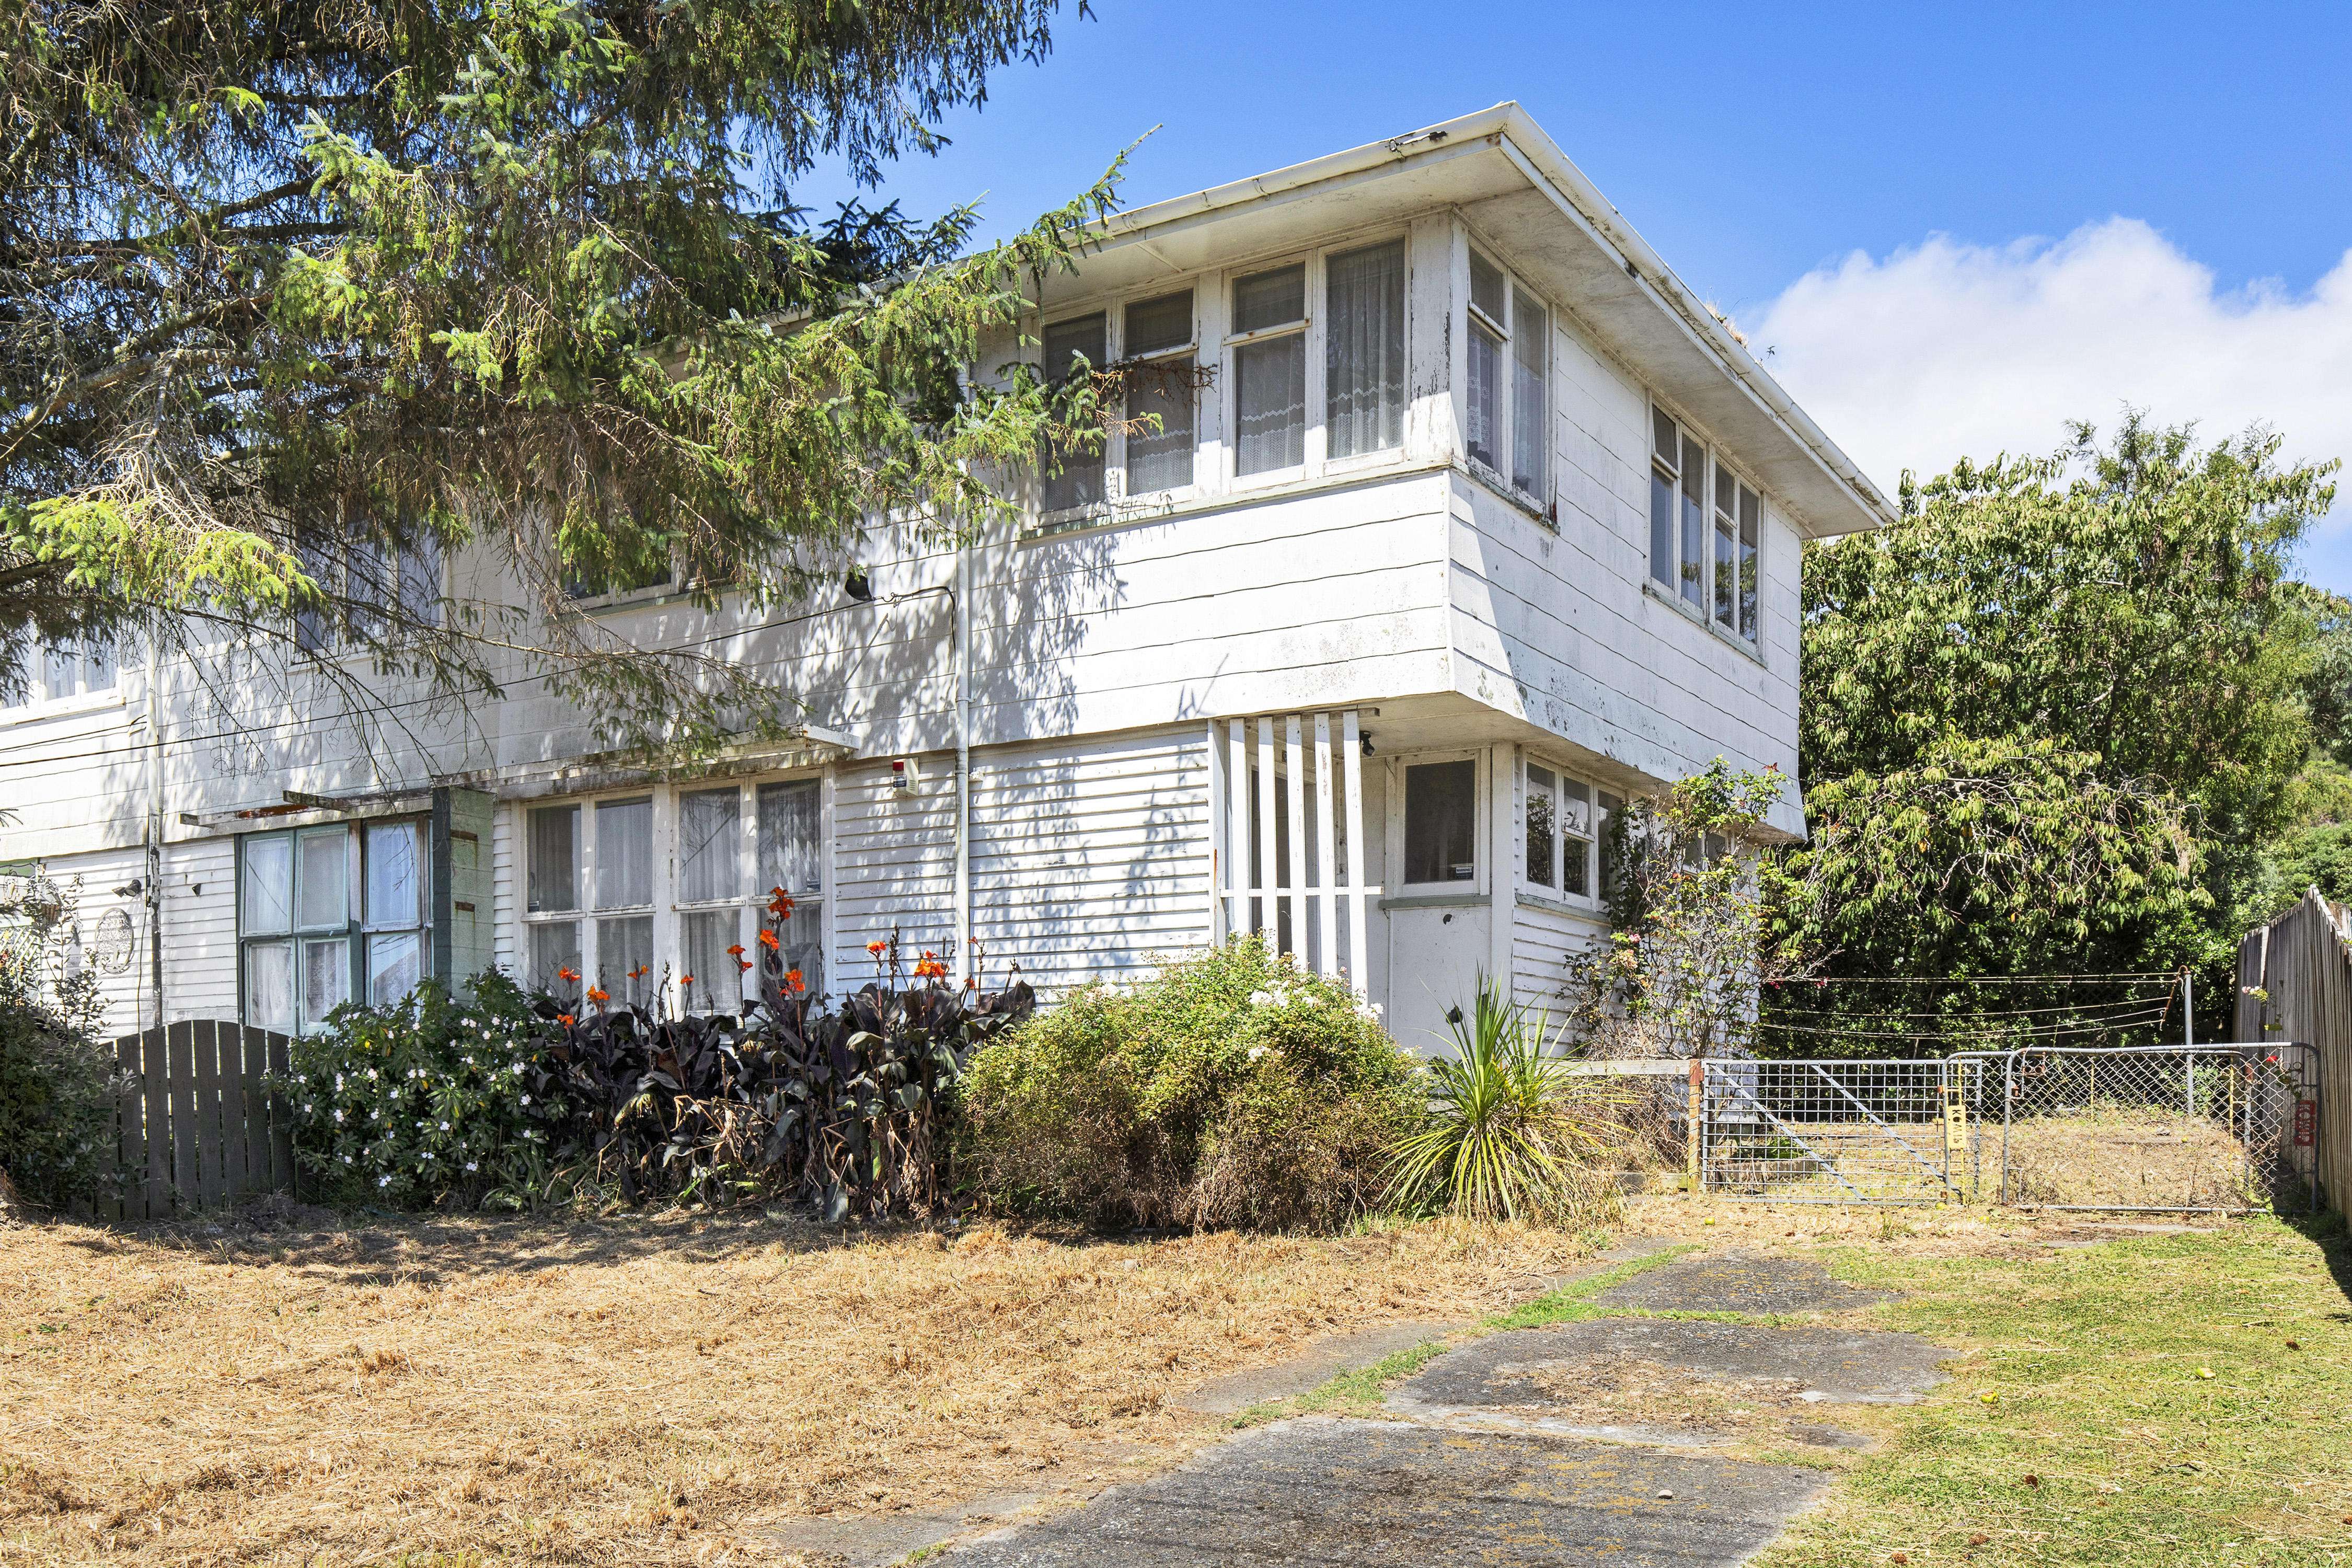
<point x="1995" y="859"/>
<point x="1689" y="912"/>
<point x="2115" y="619"/>
<point x="287" y="287"/>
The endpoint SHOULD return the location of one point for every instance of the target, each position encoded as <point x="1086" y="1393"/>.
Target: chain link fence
<point x="2222" y="1128"/>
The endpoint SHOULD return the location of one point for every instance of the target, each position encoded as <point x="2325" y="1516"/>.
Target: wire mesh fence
<point x="1835" y="1132"/>
<point x="2206" y="1128"/>
<point x="2221" y="1128"/>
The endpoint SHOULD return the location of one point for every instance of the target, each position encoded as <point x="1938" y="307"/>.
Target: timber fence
<point x="196" y="1119"/>
<point x="2294" y="983"/>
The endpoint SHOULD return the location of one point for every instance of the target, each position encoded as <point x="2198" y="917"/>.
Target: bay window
<point x="1508" y="396"/>
<point x="329" y="915"/>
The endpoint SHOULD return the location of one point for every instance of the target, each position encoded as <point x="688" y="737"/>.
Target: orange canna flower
<point x="929" y="967"/>
<point x="780" y="903"/>
<point x="794" y="982"/>
<point x="686" y="979"/>
<point x="639" y="973"/>
<point x="567" y="973"/>
<point x="876" y="948"/>
<point x="742" y="964"/>
<point x="768" y="939"/>
<point x="598" y="995"/>
<point x="736" y="951"/>
<point x="565" y="1019"/>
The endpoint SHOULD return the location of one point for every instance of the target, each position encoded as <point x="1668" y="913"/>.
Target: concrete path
<point x="1382" y="1494"/>
<point x="1566" y="1446"/>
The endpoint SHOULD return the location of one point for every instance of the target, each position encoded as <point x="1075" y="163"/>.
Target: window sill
<point x="1510" y="494"/>
<point x="1171" y="504"/>
<point x="1584" y="908"/>
<point x="1682" y="607"/>
<point x="1463" y="900"/>
<point x="63" y="708"/>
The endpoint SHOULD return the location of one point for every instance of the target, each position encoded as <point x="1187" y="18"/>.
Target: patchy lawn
<point x="285" y="1389"/>
<point x="661" y="1390"/>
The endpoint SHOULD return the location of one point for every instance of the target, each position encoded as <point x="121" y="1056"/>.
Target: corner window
<point x="1558" y="832"/>
<point x="1605" y="878"/>
<point x="1270" y="370"/>
<point x="1509" y="397"/>
<point x="330" y="915"/>
<point x="1441" y="823"/>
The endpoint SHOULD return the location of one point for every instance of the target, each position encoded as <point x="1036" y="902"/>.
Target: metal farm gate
<point x="2221" y="1128"/>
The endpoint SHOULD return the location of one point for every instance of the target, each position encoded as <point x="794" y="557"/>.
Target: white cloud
<point x="1947" y="349"/>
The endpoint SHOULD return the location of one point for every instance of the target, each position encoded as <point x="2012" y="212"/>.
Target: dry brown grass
<point x="656" y="1390"/>
<point x="2129" y="1158"/>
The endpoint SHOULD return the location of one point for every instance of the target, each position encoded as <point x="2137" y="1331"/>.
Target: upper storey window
<point x="1508" y="393"/>
<point x="1305" y="365"/>
<point x="1706" y="525"/>
<point x="57" y="671"/>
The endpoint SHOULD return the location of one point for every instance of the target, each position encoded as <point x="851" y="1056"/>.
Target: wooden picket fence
<point x="197" y="1123"/>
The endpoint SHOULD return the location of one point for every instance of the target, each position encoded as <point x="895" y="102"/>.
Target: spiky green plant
<point x="1509" y="1134"/>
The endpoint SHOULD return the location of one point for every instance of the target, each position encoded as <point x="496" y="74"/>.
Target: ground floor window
<point x="633" y="892"/>
<point x="1441" y="823"/>
<point x="328" y="915"/>
<point x="1558" y="823"/>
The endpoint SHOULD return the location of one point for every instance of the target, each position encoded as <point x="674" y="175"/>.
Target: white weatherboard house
<point x="1477" y="523"/>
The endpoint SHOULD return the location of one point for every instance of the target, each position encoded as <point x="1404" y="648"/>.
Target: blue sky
<point x="2005" y="214"/>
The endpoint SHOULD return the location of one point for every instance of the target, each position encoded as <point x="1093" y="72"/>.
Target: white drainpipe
<point x="964" y="761"/>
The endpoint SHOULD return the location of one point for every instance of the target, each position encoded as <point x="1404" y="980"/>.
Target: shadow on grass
<point x="376" y="1247"/>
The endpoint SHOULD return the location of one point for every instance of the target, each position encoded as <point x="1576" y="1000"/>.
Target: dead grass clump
<point x="655" y="1391"/>
<point x="2129" y="1161"/>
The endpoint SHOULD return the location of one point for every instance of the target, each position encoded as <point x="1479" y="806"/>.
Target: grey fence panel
<point x="199" y="1124"/>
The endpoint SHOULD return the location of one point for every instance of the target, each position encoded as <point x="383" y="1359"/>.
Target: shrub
<point x="432" y="1100"/>
<point x="1233" y="1089"/>
<point x="1510" y="1135"/>
<point x="845" y="1107"/>
<point x="56" y="1076"/>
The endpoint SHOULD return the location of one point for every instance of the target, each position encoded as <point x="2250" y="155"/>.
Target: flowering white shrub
<point x="431" y="1099"/>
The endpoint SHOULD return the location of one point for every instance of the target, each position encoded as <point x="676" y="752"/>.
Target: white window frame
<point x="1482" y="830"/>
<point x="1113" y="309"/>
<point x="1743" y="632"/>
<point x="36" y="703"/>
<point x="333" y="638"/>
<point x="1500" y="474"/>
<point x="668" y="909"/>
<point x="1216" y="448"/>
<point x="1562" y="838"/>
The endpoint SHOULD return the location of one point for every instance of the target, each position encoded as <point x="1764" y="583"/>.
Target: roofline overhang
<point x="1508" y="128"/>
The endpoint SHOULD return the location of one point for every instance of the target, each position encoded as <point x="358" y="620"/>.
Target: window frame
<point x="1589" y="839"/>
<point x="326" y="633"/>
<point x="1501" y="474"/>
<point x="1215" y="347"/>
<point x="1745" y="629"/>
<point x="1475" y="886"/>
<point x="357" y="930"/>
<point x="85" y="697"/>
<point x="668" y="911"/>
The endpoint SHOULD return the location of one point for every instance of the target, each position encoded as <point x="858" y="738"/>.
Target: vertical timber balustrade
<point x="1289" y="833"/>
<point x="196" y="1121"/>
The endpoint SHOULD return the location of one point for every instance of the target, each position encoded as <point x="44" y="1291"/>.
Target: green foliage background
<point x="2066" y="717"/>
